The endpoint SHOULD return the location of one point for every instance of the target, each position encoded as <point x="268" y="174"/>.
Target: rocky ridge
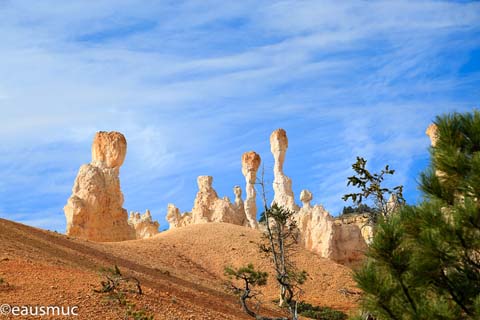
<point x="208" y="207"/>
<point x="340" y="239"/>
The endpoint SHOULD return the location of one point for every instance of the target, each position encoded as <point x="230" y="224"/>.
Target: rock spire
<point x="250" y="163"/>
<point x="94" y="210"/>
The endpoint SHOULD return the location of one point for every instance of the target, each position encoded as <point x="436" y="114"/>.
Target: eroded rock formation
<point x="432" y="132"/>
<point x="176" y="219"/>
<point x="208" y="207"/>
<point x="341" y="239"/>
<point x="143" y="224"/>
<point x="282" y="185"/>
<point x="315" y="226"/>
<point x="237" y="191"/>
<point x="94" y="210"/>
<point x="305" y="197"/>
<point x="337" y="239"/>
<point x="250" y="163"/>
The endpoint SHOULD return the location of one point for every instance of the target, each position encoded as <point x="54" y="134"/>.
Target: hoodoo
<point x="94" y="210"/>
<point x="341" y="239"/>
<point x="250" y="163"/>
<point x="282" y="185"/>
<point x="208" y="207"/>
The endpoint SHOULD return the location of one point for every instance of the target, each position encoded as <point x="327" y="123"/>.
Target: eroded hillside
<point x="181" y="271"/>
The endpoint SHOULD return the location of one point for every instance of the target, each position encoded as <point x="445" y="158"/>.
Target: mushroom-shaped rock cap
<point x="432" y="132"/>
<point x="250" y="162"/>
<point x="278" y="140"/>
<point x="237" y="190"/>
<point x="109" y="149"/>
<point x="306" y="196"/>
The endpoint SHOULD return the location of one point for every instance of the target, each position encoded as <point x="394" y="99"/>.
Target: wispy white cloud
<point x="194" y="84"/>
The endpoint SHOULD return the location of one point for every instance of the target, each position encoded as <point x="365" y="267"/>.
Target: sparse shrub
<point x="362" y="208"/>
<point x="251" y="278"/>
<point x="319" y="313"/>
<point x="137" y="314"/>
<point x="117" y="283"/>
<point x="117" y="287"/>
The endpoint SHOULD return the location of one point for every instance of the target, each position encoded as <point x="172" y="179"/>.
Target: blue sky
<point x="194" y="84"/>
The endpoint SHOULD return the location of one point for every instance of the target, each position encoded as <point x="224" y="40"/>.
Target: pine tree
<point x="424" y="262"/>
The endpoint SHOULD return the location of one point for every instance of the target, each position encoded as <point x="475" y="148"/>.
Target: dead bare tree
<point x="281" y="237"/>
<point x="279" y="244"/>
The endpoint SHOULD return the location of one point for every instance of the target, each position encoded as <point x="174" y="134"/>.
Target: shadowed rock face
<point x="250" y="164"/>
<point x="94" y="210"/>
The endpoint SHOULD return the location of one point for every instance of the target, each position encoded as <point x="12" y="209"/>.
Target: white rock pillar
<point x="282" y="185"/>
<point x="237" y="191"/>
<point x="250" y="163"/>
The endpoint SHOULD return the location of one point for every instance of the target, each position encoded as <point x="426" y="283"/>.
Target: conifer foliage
<point x="424" y="261"/>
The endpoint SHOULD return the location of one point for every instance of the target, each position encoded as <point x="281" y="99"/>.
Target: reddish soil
<point x="181" y="272"/>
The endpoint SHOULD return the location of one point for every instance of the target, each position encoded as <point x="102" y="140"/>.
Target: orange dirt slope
<point x="181" y="272"/>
